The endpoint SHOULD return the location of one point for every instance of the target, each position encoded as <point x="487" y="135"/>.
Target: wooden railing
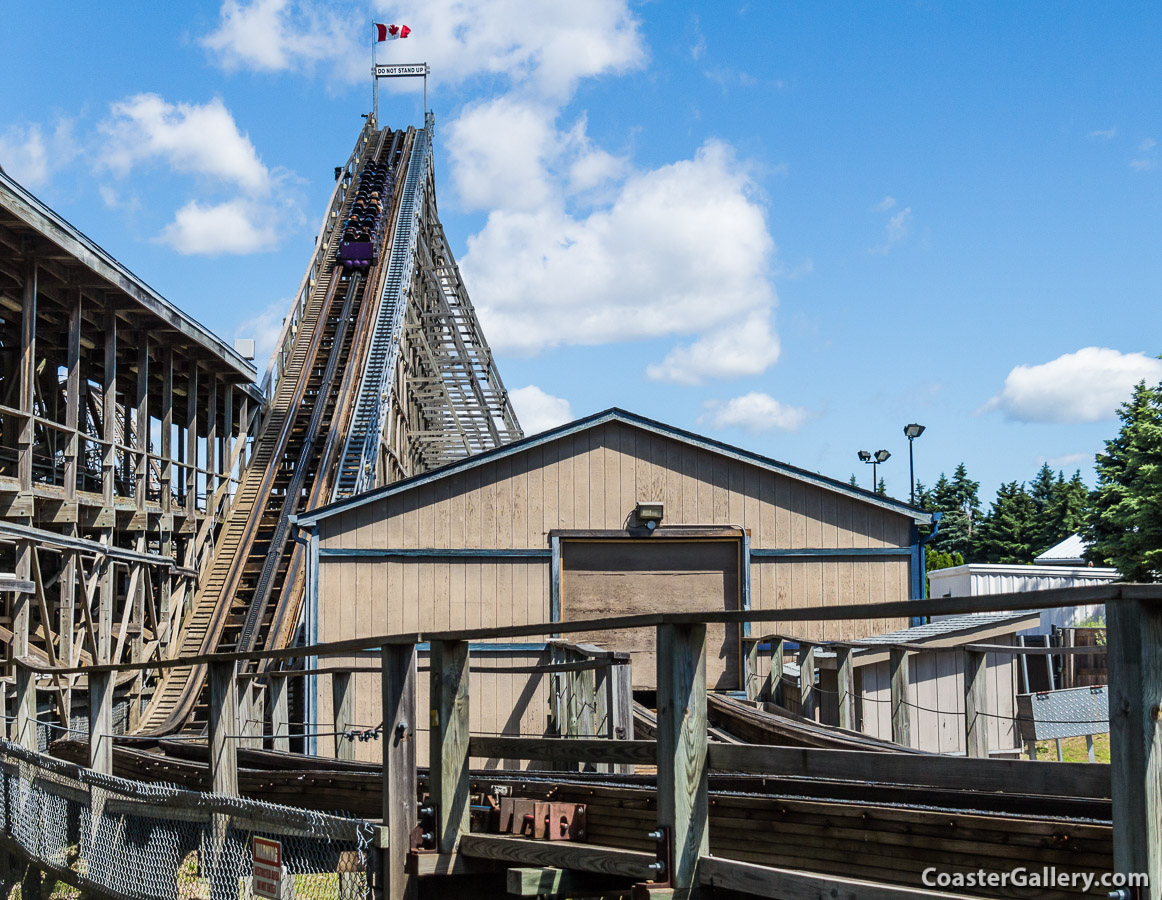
<point x="683" y="757"/>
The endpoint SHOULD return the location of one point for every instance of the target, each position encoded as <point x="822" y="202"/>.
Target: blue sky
<point x="793" y="227"/>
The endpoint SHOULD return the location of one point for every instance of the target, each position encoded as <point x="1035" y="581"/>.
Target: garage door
<point x="600" y="579"/>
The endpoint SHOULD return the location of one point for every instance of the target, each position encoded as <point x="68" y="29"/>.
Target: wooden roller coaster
<point x="339" y="375"/>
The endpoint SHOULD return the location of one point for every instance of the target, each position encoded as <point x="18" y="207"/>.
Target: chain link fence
<point x="111" y="837"/>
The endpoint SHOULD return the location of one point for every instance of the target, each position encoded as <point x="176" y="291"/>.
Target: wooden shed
<point x="551" y="528"/>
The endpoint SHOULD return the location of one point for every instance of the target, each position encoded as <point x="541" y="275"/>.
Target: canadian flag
<point x="391" y="32"/>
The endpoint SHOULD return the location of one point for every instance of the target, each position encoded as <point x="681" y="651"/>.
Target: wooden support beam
<point x="27" y="383"/>
<point x="141" y="423"/>
<point x="449" y="741"/>
<point x="774" y="687"/>
<point x="545" y="882"/>
<point x="976" y="737"/>
<point x="573" y="750"/>
<point x="212" y="463"/>
<point x="109" y="408"/>
<point x="279" y="714"/>
<point x="845" y="680"/>
<point x="223" y="728"/>
<point x="24" y="732"/>
<point x="788" y="884"/>
<point x="1010" y="776"/>
<point x="101" y="722"/>
<point x="808" y="698"/>
<point x="683" y="773"/>
<point x="399" y="766"/>
<point x="901" y="727"/>
<point x="343" y="706"/>
<point x="754" y="687"/>
<point x="192" y="439"/>
<point x="559" y="854"/>
<point x="1134" y="641"/>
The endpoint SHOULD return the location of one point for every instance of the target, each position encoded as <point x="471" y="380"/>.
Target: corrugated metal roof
<point x="1070" y="551"/>
<point x="947" y="626"/>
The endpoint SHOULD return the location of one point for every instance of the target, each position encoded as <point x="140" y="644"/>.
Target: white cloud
<point x="756" y="412"/>
<point x="735" y="350"/>
<point x="234" y="227"/>
<point x="887" y="203"/>
<point x="201" y="139"/>
<point x="276" y="35"/>
<point x="660" y="260"/>
<point x="30" y="156"/>
<point x="1068" y="460"/>
<point x="897" y="227"/>
<point x="543" y="44"/>
<point x="538" y="411"/>
<point x="1147" y="159"/>
<point x="1107" y="135"/>
<point x="1086" y="386"/>
<point x="264" y="329"/>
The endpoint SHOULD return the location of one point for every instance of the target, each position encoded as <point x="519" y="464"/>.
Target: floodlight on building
<point x="913" y="431"/>
<point x="882" y="456"/>
<point x="864" y="456"/>
<point x="650" y="514"/>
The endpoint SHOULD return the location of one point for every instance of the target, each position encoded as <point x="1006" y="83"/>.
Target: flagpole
<point x="374" y="79"/>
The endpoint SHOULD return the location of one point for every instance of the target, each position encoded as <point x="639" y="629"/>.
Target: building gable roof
<point x="623" y="417"/>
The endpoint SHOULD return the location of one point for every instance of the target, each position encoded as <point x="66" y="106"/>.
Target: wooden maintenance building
<point x="554" y="528"/>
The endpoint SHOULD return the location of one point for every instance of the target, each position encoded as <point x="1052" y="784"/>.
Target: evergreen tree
<point x="882" y="487"/>
<point x="853" y="482"/>
<point x="1043" y="491"/>
<point x="1125" y="522"/>
<point x="1005" y="535"/>
<point x="960" y="503"/>
<point x="1069" y="508"/>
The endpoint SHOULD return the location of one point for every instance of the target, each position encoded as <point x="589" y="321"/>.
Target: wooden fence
<point x="681" y="752"/>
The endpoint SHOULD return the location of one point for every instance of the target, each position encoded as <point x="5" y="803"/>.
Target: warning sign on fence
<point x="267" y="868"/>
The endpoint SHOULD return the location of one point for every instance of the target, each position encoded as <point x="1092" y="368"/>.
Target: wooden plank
<point x="947" y="772"/>
<point x="588" y="750"/>
<point x="1134" y="646"/>
<point x="448" y="766"/>
<point x="559" y="854"/>
<point x="682" y="762"/>
<point x="101" y="722"/>
<point x="342" y="711"/>
<point x="546" y="882"/>
<point x="901" y="718"/>
<point x="808" y="700"/>
<point x="976" y="704"/>
<point x="223" y="728"/>
<point x="279" y="714"/>
<point x="788" y="884"/>
<point x="399" y="766"/>
<point x="846" y="686"/>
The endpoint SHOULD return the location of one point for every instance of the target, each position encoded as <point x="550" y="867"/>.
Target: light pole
<point x="874" y="460"/>
<point x="912" y="432"/>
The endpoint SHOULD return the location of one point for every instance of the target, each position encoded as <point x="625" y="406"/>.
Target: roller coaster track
<point x="333" y="384"/>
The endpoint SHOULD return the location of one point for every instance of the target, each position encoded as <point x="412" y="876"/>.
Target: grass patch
<point x="1074" y="750"/>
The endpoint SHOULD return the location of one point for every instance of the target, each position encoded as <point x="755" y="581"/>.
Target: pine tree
<point x="1043" y="491"/>
<point x="1005" y="535"/>
<point x="853" y="482"/>
<point x="882" y="487"/>
<point x="960" y="503"/>
<point x="1125" y="521"/>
